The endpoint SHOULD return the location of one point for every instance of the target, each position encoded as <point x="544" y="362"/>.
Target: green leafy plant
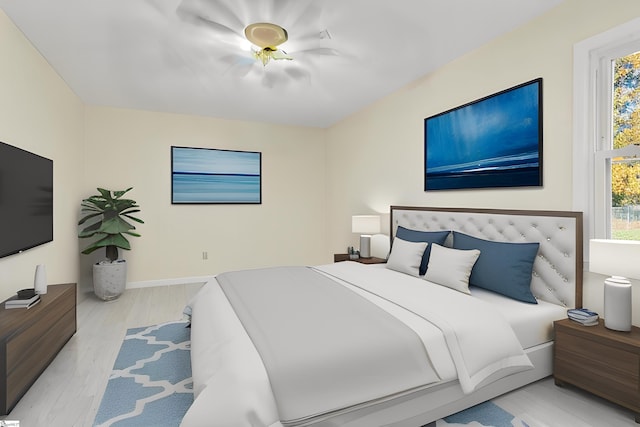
<point x="104" y="219"/>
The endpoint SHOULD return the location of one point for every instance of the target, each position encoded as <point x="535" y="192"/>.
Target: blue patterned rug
<point x="150" y="385"/>
<point x="486" y="414"/>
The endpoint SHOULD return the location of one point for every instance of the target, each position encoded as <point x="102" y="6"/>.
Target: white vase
<point x="617" y="303"/>
<point x="109" y="279"/>
<point x="40" y="279"/>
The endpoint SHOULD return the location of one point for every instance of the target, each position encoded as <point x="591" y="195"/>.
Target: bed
<point x="397" y="344"/>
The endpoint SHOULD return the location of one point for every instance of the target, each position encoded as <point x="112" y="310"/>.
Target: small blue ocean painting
<point x="205" y="175"/>
<point x="493" y="142"/>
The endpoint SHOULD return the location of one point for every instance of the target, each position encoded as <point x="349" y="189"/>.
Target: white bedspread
<point x="481" y="343"/>
<point x="231" y="385"/>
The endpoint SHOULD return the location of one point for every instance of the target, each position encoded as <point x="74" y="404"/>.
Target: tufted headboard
<point x="557" y="270"/>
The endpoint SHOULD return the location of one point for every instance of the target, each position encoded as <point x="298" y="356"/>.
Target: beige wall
<point x="314" y="179"/>
<point x="40" y="114"/>
<point x="375" y="158"/>
<point x="126" y="148"/>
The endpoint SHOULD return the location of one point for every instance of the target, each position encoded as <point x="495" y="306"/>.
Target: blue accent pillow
<point x="502" y="267"/>
<point x="423" y="236"/>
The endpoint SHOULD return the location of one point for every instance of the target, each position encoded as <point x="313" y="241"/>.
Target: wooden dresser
<point x="599" y="360"/>
<point x="31" y="338"/>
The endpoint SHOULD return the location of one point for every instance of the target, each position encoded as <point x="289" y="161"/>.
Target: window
<point x="617" y="153"/>
<point x="606" y="176"/>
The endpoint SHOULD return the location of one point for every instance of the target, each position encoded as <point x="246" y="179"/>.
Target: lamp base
<point x="617" y="304"/>
<point x="365" y="246"/>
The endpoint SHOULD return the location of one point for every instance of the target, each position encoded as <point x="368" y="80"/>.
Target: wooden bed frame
<point x="557" y="278"/>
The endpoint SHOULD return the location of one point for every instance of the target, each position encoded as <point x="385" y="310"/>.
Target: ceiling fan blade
<point x="192" y="16"/>
<point x="215" y="15"/>
<point x="156" y="6"/>
<point x="280" y="54"/>
<point x="314" y="35"/>
<point x="298" y="74"/>
<point x="326" y="51"/>
<point x="307" y="13"/>
<point x="271" y="80"/>
<point x="238" y="65"/>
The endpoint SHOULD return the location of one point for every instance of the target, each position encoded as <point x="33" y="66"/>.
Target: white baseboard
<point x="168" y="282"/>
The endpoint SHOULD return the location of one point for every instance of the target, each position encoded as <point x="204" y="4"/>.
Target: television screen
<point x="26" y="200"/>
<point x="209" y="175"/>
<point x="495" y="141"/>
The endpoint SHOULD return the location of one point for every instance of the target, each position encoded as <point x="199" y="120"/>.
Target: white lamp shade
<point x="615" y="257"/>
<point x="365" y="224"/>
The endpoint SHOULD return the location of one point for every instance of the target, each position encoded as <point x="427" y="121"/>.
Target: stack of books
<point x="17" y="302"/>
<point x="583" y="316"/>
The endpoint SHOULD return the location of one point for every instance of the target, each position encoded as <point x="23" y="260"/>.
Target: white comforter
<point x="463" y="337"/>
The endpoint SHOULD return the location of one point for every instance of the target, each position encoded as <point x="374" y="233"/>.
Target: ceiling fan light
<point x="266" y="35"/>
<point x="267" y="54"/>
<point x="263" y="55"/>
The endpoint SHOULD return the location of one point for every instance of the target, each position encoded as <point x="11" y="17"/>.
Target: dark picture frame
<point x="215" y="176"/>
<point x="495" y="141"/>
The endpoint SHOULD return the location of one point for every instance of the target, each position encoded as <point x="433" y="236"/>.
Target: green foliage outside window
<point x="625" y="172"/>
<point x="625" y="175"/>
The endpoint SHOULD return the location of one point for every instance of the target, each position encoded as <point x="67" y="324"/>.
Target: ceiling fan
<point x="235" y="25"/>
<point x="267" y="37"/>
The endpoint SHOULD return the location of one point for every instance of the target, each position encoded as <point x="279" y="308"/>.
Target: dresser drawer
<point x="27" y="340"/>
<point x="599" y="359"/>
<point x="43" y="351"/>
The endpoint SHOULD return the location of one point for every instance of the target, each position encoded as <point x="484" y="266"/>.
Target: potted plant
<point x="105" y="219"/>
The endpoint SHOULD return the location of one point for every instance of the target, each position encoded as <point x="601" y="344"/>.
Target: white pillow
<point x="451" y="267"/>
<point x="406" y="256"/>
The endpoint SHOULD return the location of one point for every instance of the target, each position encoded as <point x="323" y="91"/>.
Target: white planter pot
<point x="109" y="279"/>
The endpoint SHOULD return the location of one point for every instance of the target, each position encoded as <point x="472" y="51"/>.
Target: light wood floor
<point x="68" y="393"/>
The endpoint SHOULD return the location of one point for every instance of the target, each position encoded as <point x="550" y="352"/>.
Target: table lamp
<point x="365" y="225"/>
<point x="621" y="260"/>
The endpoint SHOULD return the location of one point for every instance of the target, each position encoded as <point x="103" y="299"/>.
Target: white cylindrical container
<point x="40" y="279"/>
<point x="617" y="303"/>
<point x="365" y="246"/>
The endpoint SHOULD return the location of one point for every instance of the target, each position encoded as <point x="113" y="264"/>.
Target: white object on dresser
<point x="617" y="303"/>
<point x="40" y="279"/>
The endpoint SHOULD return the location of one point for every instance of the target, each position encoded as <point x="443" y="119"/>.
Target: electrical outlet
<point x="205" y="255"/>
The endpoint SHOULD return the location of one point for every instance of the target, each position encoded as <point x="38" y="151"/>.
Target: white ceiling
<point x="140" y="54"/>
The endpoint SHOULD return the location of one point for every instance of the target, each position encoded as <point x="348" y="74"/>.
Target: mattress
<point x="532" y="323"/>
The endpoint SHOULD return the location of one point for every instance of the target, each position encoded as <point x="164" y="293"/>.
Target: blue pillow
<point x="502" y="267"/>
<point x="423" y="236"/>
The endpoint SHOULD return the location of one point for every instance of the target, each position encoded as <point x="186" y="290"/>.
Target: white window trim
<point x="585" y="121"/>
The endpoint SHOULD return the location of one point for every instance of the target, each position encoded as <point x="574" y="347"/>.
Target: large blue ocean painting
<point x="493" y="142"/>
<point x="203" y="175"/>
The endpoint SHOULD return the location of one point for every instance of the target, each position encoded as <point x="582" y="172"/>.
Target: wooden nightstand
<point x="345" y="257"/>
<point x="599" y="360"/>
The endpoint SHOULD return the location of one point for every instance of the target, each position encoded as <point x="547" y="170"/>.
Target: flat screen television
<point x="26" y="200"/>
<point x="495" y="141"/>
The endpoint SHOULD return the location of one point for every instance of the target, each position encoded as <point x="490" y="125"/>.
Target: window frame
<point x="592" y="151"/>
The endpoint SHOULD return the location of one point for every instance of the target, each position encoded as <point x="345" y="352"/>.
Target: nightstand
<point x="345" y="257"/>
<point x="599" y="360"/>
